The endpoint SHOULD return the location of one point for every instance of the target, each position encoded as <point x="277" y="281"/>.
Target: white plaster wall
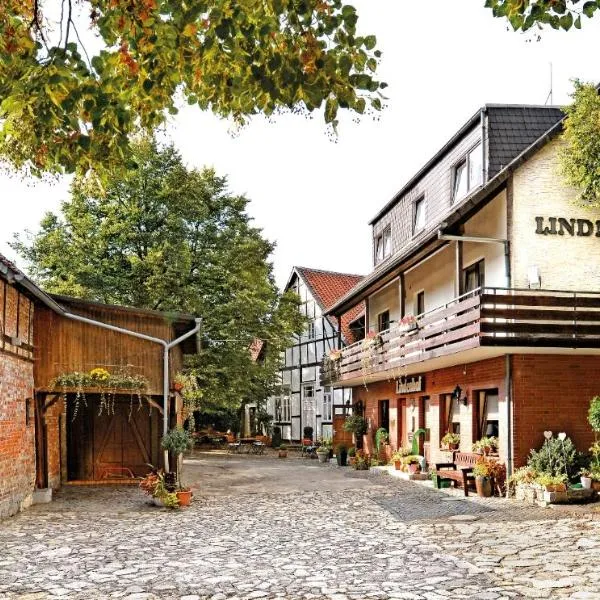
<point x="386" y="299"/>
<point x="564" y="262"/>
<point x="490" y="222"/>
<point x="436" y="277"/>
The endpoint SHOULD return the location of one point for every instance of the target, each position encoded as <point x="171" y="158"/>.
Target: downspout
<point x="166" y="348"/>
<point x="509" y="413"/>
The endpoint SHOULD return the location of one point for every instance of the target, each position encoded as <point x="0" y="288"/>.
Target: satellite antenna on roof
<point x="549" y="97"/>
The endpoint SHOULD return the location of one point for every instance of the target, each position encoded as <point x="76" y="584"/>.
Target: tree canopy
<point x="558" y="14"/>
<point x="65" y="107"/>
<point x="169" y="238"/>
<point x="580" y="156"/>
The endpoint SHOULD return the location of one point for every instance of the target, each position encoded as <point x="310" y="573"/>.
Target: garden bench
<point x="460" y="470"/>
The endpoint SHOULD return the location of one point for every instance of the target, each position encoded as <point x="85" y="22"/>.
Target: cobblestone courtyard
<point x="266" y="528"/>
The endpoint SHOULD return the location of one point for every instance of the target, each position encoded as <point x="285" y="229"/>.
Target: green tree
<point x="64" y="108"/>
<point x="558" y="14"/>
<point x="580" y="157"/>
<point x="169" y="238"/>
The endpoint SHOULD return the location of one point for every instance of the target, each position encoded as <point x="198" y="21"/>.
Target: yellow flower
<point x="100" y="374"/>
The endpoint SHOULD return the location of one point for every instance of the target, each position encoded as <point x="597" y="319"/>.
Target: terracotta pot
<point x="452" y="446"/>
<point x="561" y="487"/>
<point x="483" y="486"/>
<point x="184" y="497"/>
<point x="398" y="465"/>
<point x="282" y="454"/>
<point x="596" y="485"/>
<point x="178" y="387"/>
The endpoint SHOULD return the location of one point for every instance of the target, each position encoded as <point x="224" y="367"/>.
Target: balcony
<point x="481" y="324"/>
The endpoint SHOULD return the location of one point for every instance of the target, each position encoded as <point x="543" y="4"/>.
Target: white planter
<point x="586" y="483"/>
<point x="323" y="456"/>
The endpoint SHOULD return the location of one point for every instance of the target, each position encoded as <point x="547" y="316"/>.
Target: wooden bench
<point x="460" y="470"/>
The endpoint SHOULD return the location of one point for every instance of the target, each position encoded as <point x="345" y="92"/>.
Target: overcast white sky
<point x="315" y="197"/>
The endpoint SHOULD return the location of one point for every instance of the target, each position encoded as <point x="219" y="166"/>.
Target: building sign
<point x="562" y="226"/>
<point x="408" y="385"/>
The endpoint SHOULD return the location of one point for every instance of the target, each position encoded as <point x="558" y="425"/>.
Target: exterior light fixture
<point x="456" y="395"/>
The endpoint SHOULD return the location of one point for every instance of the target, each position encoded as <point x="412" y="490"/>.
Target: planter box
<point x="534" y="494"/>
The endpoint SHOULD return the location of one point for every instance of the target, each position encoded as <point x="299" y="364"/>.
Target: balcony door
<point x="474" y="276"/>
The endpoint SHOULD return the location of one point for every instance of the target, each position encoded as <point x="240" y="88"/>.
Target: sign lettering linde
<point x="562" y="226"/>
<point x="407" y="385"/>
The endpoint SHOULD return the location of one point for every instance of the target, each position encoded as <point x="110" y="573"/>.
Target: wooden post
<point x="458" y="283"/>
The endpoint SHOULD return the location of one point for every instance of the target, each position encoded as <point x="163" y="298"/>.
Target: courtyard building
<point x="302" y="400"/>
<point x="71" y="433"/>
<point x="482" y="310"/>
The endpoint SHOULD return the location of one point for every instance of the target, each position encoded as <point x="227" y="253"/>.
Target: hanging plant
<point x="187" y="385"/>
<point x="105" y="382"/>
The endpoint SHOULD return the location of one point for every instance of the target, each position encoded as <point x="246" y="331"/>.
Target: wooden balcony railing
<point x="484" y="317"/>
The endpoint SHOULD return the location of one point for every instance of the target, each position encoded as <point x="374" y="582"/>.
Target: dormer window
<point x="468" y="174"/>
<point x="419" y="215"/>
<point x="383" y="245"/>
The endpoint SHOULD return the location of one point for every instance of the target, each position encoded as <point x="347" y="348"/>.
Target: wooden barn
<point x="104" y="431"/>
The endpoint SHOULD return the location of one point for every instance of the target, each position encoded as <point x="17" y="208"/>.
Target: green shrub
<point x="177" y="441"/>
<point x="381" y="437"/>
<point x="276" y="439"/>
<point x="594" y="414"/>
<point x="556" y="457"/>
<point x="356" y="424"/>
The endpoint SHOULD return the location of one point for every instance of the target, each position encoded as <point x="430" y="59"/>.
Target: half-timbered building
<point x="303" y="401"/>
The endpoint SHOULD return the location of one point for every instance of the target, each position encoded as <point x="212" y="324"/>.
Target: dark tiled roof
<point x="511" y="129"/>
<point x="328" y="287"/>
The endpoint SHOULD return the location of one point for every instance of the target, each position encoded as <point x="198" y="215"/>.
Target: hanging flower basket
<point x="103" y="382"/>
<point x="408" y="323"/>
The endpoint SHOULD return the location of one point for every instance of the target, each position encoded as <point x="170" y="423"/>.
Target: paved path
<point x="294" y="529"/>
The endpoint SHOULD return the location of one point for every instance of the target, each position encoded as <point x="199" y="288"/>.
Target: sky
<point x="313" y="196"/>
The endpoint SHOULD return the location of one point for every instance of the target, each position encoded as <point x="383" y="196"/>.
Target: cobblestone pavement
<point x="297" y="530"/>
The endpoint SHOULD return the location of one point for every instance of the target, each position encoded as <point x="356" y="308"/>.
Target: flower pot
<point x="414" y="468"/>
<point x="184" y="497"/>
<point x="483" y="486"/>
<point x="178" y="387"/>
<point x="452" y="447"/>
<point x="398" y="465"/>
<point x="282" y="454"/>
<point x="596" y="485"/>
<point x="157" y="501"/>
<point x="586" y="483"/>
<point x="560" y="487"/>
<point x="341" y="459"/>
<point x="323" y="456"/>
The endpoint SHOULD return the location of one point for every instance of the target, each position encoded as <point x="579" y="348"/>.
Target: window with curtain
<point x="488" y="414"/>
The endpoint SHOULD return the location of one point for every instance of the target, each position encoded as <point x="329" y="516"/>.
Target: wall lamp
<point x="456" y="395"/>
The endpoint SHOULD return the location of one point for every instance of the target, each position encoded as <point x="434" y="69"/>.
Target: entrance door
<point x="384" y="414"/>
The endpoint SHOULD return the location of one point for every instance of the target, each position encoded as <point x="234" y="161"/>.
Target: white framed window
<point x="327" y="404"/>
<point x="419" y="215"/>
<point x="285" y="409"/>
<point x="468" y="173"/>
<point x="383" y="244"/>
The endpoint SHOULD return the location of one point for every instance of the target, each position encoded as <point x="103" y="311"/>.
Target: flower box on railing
<point x="408" y="323"/>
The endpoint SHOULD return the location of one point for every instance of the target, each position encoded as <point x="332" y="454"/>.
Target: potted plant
<point x="486" y="445"/>
<point x="413" y="463"/>
<point x="483" y="480"/>
<point x="177" y="441"/>
<point x="161" y="487"/>
<point x="450" y="441"/>
<point x="357" y="425"/>
<point x="398" y="456"/>
<point x="341" y="454"/>
<point x="323" y="454"/>
<point x="552" y="483"/>
<point x="381" y="437"/>
<point x="586" y="479"/>
<point x="282" y="451"/>
<point x="362" y="461"/>
<point x="351" y="455"/>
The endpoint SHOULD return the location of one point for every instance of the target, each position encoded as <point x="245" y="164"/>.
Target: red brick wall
<point x="553" y="393"/>
<point x="17" y="442"/>
<point x="55" y="431"/>
<point x="471" y="377"/>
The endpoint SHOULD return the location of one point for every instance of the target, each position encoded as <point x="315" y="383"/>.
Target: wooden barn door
<point x="122" y="441"/>
<point x="111" y="445"/>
